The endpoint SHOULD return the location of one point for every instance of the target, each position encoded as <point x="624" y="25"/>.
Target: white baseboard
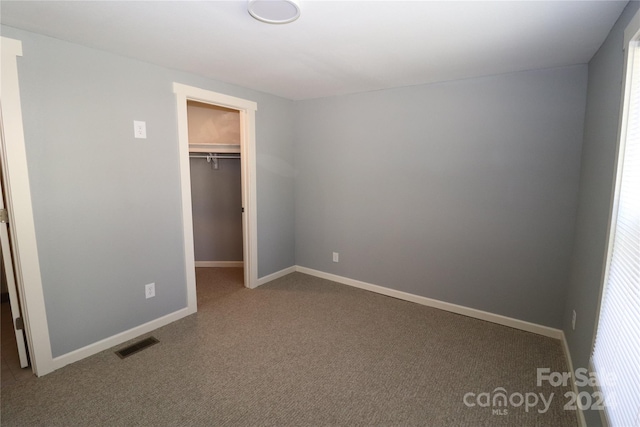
<point x="276" y="275"/>
<point x="582" y="422"/>
<point x="76" y="355"/>
<point x="219" y="264"/>
<point x="454" y="308"/>
<point x="97" y="347"/>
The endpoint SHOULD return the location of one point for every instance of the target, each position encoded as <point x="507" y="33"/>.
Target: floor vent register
<point x="134" y="348"/>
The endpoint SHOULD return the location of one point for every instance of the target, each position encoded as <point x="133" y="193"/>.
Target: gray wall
<point x="216" y="201"/>
<point x="594" y="201"/>
<point x="464" y="191"/>
<point x="107" y="206"/>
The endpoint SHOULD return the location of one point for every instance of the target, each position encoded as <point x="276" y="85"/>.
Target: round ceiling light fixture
<point x="274" y="11"/>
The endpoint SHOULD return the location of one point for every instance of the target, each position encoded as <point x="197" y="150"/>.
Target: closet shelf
<point x="214" y="148"/>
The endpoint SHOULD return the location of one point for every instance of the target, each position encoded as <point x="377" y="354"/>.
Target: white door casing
<point x="18" y="194"/>
<point x="247" y="111"/>
<point x="7" y="261"/>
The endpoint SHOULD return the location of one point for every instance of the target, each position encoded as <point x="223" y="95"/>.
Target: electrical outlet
<point x="150" y="290"/>
<point x="139" y="129"/>
<point x="573" y="320"/>
<point x="336" y="257"/>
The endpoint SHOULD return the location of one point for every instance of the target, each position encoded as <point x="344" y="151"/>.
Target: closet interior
<point x="216" y="192"/>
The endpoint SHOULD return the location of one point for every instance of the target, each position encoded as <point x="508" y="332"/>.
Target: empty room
<point x="320" y="213"/>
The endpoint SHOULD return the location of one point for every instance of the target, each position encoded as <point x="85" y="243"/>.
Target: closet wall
<point x="216" y="192"/>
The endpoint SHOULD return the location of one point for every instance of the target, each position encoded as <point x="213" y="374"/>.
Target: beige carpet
<point x="301" y="351"/>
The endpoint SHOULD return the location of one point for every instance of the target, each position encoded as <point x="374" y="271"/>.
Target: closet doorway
<point x="216" y="187"/>
<point x="213" y="150"/>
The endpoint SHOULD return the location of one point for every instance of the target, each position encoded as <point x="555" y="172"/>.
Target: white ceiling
<point x="335" y="47"/>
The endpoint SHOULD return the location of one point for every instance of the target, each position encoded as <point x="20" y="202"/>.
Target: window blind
<point x="616" y="354"/>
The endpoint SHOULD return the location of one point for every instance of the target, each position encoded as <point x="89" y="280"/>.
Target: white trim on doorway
<point x="18" y="193"/>
<point x="247" y="111"/>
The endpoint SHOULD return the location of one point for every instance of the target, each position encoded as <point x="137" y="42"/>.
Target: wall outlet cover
<point x="139" y="129"/>
<point x="150" y="290"/>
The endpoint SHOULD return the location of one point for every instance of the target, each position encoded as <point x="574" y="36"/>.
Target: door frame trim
<point x="8" y="248"/>
<point x="18" y="194"/>
<point x="247" y="111"/>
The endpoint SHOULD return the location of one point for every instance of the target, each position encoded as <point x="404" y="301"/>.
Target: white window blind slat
<point x="616" y="353"/>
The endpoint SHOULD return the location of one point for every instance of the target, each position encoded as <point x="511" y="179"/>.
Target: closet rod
<point x="214" y="156"/>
